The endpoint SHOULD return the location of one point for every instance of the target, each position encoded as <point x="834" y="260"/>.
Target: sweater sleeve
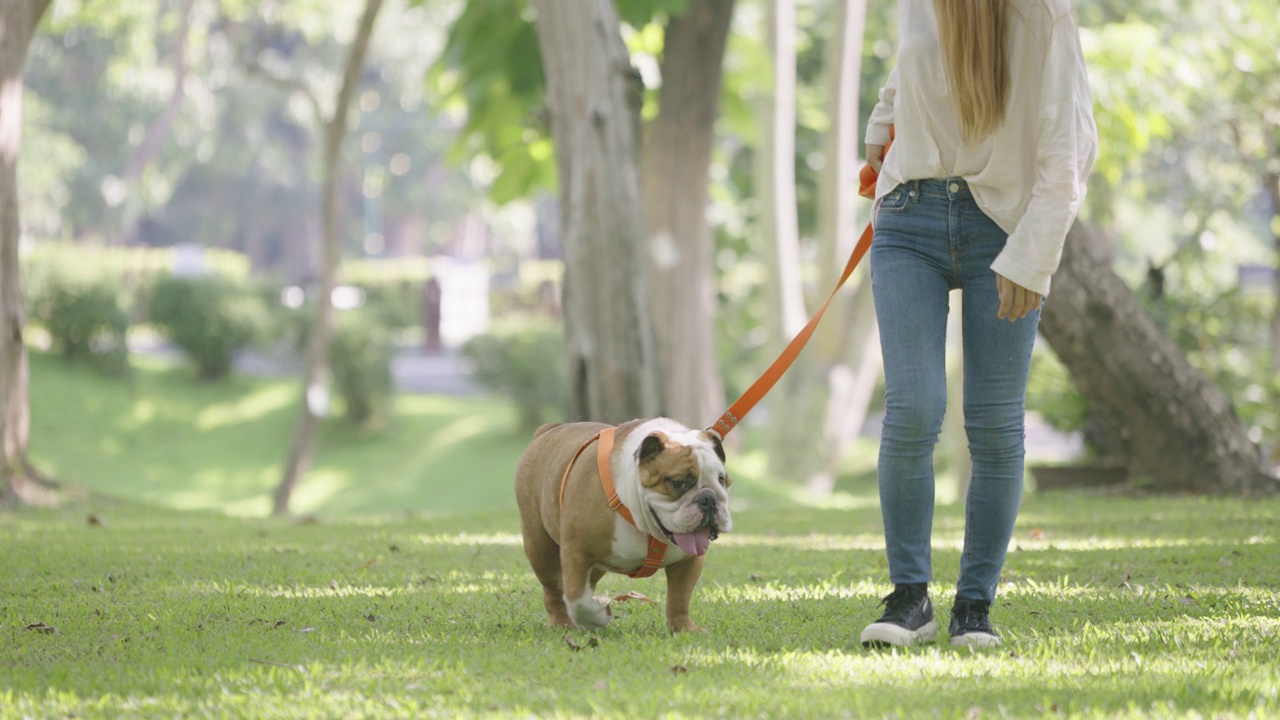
<point x="1065" y="149"/>
<point x="882" y="114"/>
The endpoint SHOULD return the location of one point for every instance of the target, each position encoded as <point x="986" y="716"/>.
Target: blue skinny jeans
<point x="931" y="238"/>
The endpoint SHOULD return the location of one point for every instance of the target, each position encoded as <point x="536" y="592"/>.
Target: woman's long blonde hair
<point x="975" y="54"/>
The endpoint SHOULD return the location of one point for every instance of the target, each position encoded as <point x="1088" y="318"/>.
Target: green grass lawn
<point x="163" y="438"/>
<point x="1111" y="607"/>
<point x="411" y="597"/>
<point x="167" y="439"/>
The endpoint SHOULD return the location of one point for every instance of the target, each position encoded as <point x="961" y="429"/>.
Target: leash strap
<point x="657" y="548"/>
<point x="729" y="420"/>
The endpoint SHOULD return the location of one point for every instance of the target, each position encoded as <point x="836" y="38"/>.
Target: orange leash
<point x="867" y="177"/>
<point x="657" y="548"/>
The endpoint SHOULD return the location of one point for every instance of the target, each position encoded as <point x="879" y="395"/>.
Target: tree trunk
<point x="1272" y="181"/>
<point x="1182" y="432"/>
<point x="775" y="176"/>
<point x="18" y="22"/>
<point x="779" y="233"/>
<point x="593" y="100"/>
<point x="676" y="161"/>
<point x="821" y="403"/>
<point x="833" y="386"/>
<point x="315" y="383"/>
<point x="157" y="132"/>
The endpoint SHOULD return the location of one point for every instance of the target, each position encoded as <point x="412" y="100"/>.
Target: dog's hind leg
<point x="544" y="557"/>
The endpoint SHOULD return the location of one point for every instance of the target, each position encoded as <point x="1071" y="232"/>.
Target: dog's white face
<point x="684" y="486"/>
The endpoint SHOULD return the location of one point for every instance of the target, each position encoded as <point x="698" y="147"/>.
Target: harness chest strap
<point x="657" y="548"/>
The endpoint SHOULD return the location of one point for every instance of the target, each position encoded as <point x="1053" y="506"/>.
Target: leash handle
<point x="867" y="177"/>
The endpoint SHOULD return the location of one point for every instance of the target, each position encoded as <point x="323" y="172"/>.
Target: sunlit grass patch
<point x="165" y="438"/>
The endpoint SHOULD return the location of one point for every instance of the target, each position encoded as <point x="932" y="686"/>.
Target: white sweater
<point x="1029" y="175"/>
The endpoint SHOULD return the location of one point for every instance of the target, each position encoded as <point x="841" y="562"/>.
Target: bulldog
<point x="670" y="491"/>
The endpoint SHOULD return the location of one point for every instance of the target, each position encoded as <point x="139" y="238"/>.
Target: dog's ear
<point x="715" y="443"/>
<point x="651" y="447"/>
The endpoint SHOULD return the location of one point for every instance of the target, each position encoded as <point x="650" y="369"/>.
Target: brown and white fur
<point x="670" y="477"/>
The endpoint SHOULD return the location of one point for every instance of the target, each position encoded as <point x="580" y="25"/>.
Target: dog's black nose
<point x="707" y="503"/>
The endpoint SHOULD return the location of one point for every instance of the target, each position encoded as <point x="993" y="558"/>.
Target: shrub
<point x="210" y="318"/>
<point x="397" y="304"/>
<point x="523" y="360"/>
<point x="85" y="317"/>
<point x="361" y="364"/>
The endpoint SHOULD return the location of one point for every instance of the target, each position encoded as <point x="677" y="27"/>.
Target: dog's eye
<point x="723" y="479"/>
<point x="680" y="485"/>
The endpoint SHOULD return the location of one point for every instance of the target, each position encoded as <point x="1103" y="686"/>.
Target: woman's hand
<point x="1015" y="300"/>
<point x="875" y="156"/>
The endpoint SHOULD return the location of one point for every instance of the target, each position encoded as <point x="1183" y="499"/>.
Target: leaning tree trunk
<point x="1182" y="432"/>
<point x="18" y="22"/>
<point x="315" y="382"/>
<point x="593" y="100"/>
<point x="157" y="133"/>
<point x="676" y="160"/>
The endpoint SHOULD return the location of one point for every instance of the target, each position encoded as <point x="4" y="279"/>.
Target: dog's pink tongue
<point x="694" y="543"/>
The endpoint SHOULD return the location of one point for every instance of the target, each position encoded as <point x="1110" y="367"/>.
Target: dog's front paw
<point x="589" y="613"/>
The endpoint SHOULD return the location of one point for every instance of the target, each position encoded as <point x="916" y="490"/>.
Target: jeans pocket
<point x="895" y="201"/>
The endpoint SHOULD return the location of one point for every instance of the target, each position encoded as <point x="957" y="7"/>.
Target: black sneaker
<point x="971" y="624"/>
<point x="907" y="619"/>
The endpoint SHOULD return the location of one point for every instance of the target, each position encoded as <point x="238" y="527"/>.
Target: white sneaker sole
<point x="977" y="639"/>
<point x="889" y="634"/>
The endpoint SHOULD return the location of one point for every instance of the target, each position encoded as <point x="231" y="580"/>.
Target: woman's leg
<point x="911" y="279"/>
<point x="997" y="359"/>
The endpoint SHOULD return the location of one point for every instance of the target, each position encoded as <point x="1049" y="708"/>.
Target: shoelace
<point x="974" y="616"/>
<point x="899" y="603"/>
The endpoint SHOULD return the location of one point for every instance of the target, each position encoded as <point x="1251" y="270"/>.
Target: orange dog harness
<point x="657" y="548"/>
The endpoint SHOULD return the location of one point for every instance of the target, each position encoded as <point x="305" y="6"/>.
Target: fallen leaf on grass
<point x="42" y="628"/>
<point x="755" y="578"/>
<point x="678" y="670"/>
<point x="1037" y="534"/>
<point x="393" y="548"/>
<point x="1188" y="600"/>
<point x="632" y="595"/>
<point x="602" y="685"/>
<point x="367" y="564"/>
<point x="1125" y="582"/>
<point x="278" y="623"/>
<point x="94" y="520"/>
<point x="371" y="618"/>
<point x="308" y="520"/>
<point x="307" y="630"/>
